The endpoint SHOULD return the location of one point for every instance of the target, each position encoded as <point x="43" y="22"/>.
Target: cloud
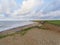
<point x="28" y="7"/>
<point x="31" y="9"/>
<point x="51" y="11"/>
<point x="50" y="15"/>
<point x="8" y="6"/>
<point x="52" y="6"/>
<point x="0" y="9"/>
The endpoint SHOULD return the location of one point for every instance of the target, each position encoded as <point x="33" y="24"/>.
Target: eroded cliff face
<point x="51" y="27"/>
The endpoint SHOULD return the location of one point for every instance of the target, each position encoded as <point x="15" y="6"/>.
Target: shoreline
<point x="12" y="30"/>
<point x="9" y="25"/>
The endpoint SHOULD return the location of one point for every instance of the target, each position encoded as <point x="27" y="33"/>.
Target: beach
<point x="7" y="25"/>
<point x="33" y="37"/>
<point x="18" y="28"/>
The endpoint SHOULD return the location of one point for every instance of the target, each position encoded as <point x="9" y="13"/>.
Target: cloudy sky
<point x="29" y="9"/>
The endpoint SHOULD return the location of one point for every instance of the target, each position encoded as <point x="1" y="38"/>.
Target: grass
<point x="55" y="22"/>
<point x="3" y="36"/>
<point x="22" y="32"/>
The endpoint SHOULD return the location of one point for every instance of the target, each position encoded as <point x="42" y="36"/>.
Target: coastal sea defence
<point x="13" y="30"/>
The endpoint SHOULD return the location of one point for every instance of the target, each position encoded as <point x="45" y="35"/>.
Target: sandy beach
<point x="34" y="36"/>
<point x="16" y="29"/>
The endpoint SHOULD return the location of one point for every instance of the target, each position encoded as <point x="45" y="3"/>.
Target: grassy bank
<point x="55" y="22"/>
<point x="22" y="32"/>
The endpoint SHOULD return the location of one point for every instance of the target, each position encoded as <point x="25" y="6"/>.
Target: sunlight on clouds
<point x="27" y="6"/>
<point x="0" y="9"/>
<point x="8" y="6"/>
<point x="29" y="9"/>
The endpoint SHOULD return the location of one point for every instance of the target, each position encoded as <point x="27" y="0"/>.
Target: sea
<point x="5" y="25"/>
